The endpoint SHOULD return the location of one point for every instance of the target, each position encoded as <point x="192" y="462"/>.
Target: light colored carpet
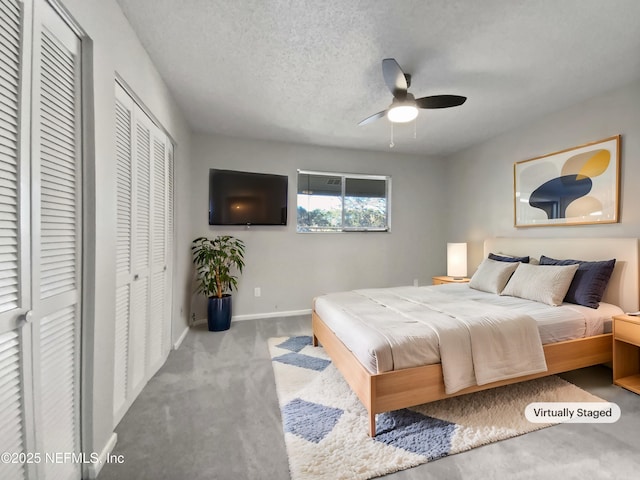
<point x="325" y="425"/>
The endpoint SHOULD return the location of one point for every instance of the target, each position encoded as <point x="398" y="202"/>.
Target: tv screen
<point x="245" y="198"/>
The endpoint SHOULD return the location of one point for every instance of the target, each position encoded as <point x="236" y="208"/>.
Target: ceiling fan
<point x="404" y="106"/>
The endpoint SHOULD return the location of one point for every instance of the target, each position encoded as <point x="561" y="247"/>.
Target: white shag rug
<point x="326" y="427"/>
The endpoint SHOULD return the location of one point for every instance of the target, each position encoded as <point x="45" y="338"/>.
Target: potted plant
<point x="215" y="259"/>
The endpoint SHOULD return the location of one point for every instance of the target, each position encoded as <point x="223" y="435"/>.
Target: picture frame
<point x="576" y="186"/>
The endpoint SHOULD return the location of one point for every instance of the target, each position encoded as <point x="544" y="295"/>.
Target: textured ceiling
<point x="308" y="71"/>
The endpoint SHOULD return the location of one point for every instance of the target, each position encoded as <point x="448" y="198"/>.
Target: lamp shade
<point x="457" y="260"/>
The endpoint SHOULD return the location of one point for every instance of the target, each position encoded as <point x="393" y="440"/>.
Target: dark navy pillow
<point x="502" y="258"/>
<point x="589" y="282"/>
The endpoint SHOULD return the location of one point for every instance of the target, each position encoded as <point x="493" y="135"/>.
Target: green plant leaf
<point x="216" y="261"/>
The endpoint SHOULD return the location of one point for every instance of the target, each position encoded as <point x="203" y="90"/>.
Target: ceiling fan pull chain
<point x="391" y="144"/>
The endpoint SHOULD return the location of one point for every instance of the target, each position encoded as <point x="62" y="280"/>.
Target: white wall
<point x="482" y="176"/>
<point x="117" y="49"/>
<point x="291" y="268"/>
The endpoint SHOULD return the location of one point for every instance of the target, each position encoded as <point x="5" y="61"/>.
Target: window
<point x="340" y="202"/>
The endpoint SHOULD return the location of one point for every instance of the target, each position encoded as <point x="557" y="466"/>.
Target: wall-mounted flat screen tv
<point x="246" y="198"/>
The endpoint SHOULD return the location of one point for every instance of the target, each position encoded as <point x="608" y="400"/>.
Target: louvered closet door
<point x="16" y="424"/>
<point x="124" y="267"/>
<point x="141" y="252"/>
<point x="134" y="160"/>
<point x="169" y="258"/>
<point x="57" y="221"/>
<point x="158" y="280"/>
<point x="144" y="253"/>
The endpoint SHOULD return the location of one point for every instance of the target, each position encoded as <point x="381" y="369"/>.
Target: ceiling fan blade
<point x="394" y="78"/>
<point x="373" y="117"/>
<point x="440" y="101"/>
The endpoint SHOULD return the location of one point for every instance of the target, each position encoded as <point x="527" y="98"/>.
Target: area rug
<point x="326" y="427"/>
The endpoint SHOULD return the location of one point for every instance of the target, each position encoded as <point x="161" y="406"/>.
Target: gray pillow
<point x="541" y="283"/>
<point x="590" y="281"/>
<point x="508" y="258"/>
<point x="492" y="275"/>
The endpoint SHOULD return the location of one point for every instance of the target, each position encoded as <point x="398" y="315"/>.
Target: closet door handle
<point x="136" y="277"/>
<point x="24" y="319"/>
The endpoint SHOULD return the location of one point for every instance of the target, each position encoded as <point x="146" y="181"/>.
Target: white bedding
<point x="386" y="329"/>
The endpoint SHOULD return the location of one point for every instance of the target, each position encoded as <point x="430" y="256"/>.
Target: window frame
<point x="344" y="176"/>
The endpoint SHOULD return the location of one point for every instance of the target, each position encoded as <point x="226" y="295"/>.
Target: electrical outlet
<point x="415" y="282"/>
<point x="257" y="292"/>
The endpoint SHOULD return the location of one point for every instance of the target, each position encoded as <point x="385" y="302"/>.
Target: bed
<point x="382" y="391"/>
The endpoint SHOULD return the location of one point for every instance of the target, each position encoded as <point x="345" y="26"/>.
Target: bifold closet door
<point x="57" y="239"/>
<point x="133" y="252"/>
<point x="139" y="322"/>
<point x="124" y="245"/>
<point x="158" y="260"/>
<point x="40" y="240"/>
<point x="144" y="162"/>
<point x="16" y="396"/>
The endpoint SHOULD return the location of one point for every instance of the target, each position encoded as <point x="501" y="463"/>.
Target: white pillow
<point x="541" y="283"/>
<point x="492" y="275"/>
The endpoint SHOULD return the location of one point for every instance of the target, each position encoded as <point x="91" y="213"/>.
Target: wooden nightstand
<point x="444" y="279"/>
<point x="626" y="352"/>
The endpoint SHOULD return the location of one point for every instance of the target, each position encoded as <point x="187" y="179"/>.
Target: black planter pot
<point x="219" y="313"/>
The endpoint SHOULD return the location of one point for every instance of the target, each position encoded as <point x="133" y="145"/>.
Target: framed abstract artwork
<point x="577" y="186"/>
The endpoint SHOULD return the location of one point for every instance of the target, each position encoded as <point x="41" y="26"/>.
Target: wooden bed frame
<point x="414" y="386"/>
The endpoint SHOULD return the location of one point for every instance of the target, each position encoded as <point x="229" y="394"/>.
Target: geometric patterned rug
<point x="326" y="427"/>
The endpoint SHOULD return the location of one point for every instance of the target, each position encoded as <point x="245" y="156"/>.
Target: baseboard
<point x="256" y="316"/>
<point x="178" y="342"/>
<point x="93" y="469"/>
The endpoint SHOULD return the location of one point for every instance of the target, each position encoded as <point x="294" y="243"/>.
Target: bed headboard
<point x="623" y="288"/>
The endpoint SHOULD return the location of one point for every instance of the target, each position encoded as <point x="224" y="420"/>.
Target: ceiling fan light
<point x="402" y="113"/>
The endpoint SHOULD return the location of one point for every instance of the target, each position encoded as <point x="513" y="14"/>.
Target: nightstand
<point x="626" y="352"/>
<point x="444" y="279"/>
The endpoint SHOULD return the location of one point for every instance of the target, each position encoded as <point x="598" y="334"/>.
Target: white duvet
<point x="478" y="338"/>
